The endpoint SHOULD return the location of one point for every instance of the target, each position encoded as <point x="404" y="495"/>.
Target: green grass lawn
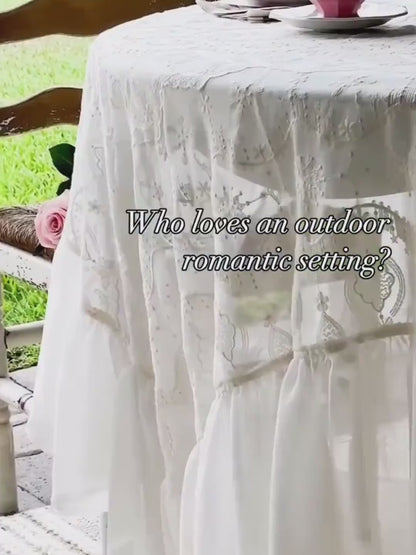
<point x="26" y="172"/>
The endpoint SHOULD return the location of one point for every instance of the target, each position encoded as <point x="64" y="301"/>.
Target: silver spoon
<point x="249" y="14"/>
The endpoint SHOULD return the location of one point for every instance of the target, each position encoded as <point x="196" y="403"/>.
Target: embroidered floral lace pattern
<point x="279" y="403"/>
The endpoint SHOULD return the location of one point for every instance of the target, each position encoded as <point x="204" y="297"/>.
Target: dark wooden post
<point x="75" y="17"/>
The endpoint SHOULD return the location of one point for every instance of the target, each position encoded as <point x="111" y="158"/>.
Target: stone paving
<point x="33" y="470"/>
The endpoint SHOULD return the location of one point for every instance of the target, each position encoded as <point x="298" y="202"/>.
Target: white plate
<point x="369" y="15"/>
<point x="269" y="4"/>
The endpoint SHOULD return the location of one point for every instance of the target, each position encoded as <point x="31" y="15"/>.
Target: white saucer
<point x="369" y="15"/>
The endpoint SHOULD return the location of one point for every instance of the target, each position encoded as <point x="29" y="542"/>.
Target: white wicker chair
<point x="35" y="270"/>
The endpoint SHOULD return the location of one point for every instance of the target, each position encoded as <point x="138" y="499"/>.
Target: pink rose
<point x="50" y="220"/>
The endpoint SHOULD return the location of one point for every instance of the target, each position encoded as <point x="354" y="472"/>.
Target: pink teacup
<point x="338" y="8"/>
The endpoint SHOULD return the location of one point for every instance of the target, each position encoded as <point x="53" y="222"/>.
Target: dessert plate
<point x="229" y="11"/>
<point x="272" y="3"/>
<point x="369" y="15"/>
<point x="213" y="5"/>
<point x="234" y="10"/>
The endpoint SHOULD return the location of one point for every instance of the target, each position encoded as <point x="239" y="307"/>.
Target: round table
<point x="238" y="411"/>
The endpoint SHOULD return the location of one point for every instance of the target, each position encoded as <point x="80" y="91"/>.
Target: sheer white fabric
<point x="201" y="409"/>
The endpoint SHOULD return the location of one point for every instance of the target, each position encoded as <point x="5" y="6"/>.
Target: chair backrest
<point x="70" y="17"/>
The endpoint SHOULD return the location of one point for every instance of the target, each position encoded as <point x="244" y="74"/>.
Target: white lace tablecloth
<point x="200" y="408"/>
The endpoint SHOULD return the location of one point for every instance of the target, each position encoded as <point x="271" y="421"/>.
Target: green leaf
<point x="63" y="158"/>
<point x="63" y="187"/>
